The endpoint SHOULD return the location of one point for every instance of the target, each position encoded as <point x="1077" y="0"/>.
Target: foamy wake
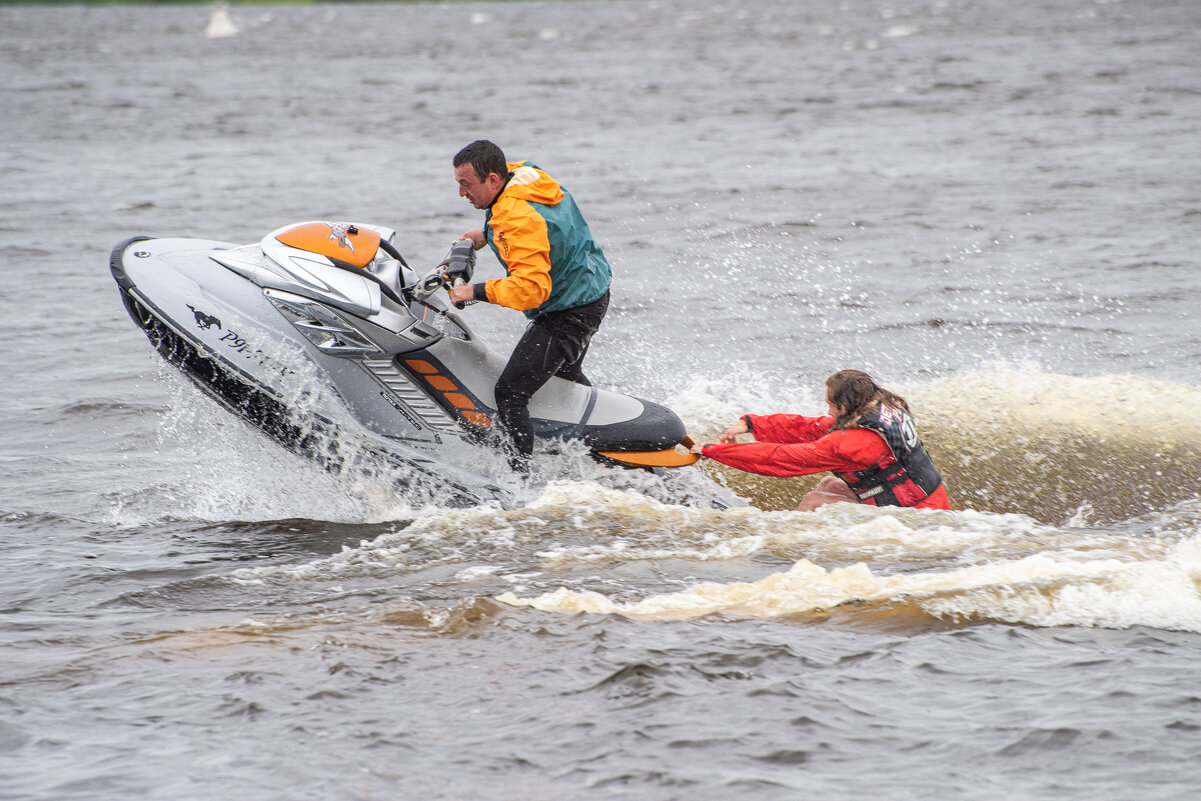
<point x="1043" y="589"/>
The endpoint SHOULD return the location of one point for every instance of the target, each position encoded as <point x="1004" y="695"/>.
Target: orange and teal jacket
<point x="536" y="230"/>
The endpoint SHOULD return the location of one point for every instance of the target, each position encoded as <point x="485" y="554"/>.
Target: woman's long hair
<point x="855" y="391"/>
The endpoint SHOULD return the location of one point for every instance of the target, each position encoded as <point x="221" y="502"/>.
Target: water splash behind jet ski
<point x="402" y="370"/>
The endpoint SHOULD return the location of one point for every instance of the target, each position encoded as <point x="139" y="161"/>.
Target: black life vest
<point x="904" y="477"/>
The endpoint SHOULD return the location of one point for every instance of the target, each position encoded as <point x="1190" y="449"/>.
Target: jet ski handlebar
<point x="457" y="268"/>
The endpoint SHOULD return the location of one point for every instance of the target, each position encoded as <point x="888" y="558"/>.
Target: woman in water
<point x="869" y="441"/>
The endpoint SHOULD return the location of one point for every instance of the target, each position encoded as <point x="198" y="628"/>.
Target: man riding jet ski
<point x="555" y="273"/>
<point x="396" y="369"/>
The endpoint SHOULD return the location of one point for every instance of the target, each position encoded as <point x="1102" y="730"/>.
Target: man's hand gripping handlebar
<point x="455" y="270"/>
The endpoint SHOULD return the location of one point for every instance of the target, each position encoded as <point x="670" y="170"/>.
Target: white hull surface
<point x="321" y="332"/>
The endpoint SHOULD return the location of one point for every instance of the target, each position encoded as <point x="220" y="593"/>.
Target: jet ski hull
<point x="315" y="354"/>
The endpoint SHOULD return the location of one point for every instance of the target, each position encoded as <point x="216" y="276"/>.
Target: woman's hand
<point x="733" y="431"/>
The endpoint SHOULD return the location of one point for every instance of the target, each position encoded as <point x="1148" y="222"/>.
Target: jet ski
<point x="321" y="334"/>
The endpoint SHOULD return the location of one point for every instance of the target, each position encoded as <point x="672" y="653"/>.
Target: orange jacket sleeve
<point x="522" y="242"/>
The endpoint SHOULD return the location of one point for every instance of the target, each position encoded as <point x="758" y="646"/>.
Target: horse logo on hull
<point x="204" y="320"/>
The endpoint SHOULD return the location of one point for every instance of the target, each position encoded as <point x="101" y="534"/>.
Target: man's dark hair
<point x="485" y="158"/>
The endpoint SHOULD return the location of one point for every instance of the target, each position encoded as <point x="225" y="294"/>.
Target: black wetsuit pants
<point x="553" y="345"/>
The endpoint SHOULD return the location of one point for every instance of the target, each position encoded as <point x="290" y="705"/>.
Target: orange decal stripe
<point x="441" y="382"/>
<point x="477" y="419"/>
<point x="459" y="400"/>
<point x="421" y="366"/>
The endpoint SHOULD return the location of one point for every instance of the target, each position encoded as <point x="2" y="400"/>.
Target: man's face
<point x="480" y="193"/>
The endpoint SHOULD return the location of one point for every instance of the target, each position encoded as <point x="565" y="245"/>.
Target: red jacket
<point x="794" y="445"/>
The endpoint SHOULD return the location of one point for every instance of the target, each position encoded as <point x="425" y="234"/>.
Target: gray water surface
<point x="993" y="207"/>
